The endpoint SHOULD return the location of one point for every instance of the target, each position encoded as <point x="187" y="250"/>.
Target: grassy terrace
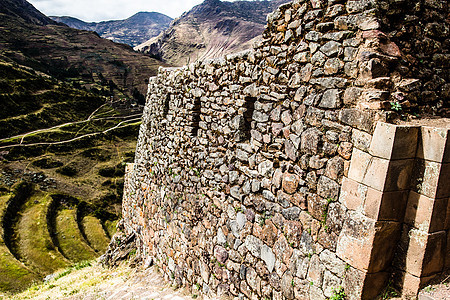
<point x="71" y="243"/>
<point x="13" y="273"/>
<point x="95" y="234"/>
<point x="64" y="143"/>
<point x="33" y="242"/>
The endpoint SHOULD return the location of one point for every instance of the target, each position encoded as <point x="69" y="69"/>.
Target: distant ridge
<point x="24" y="10"/>
<point x="30" y="38"/>
<point x="211" y="29"/>
<point x="132" y="31"/>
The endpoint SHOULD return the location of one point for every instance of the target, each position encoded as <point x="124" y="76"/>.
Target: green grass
<point x="70" y="241"/>
<point x="95" y="234"/>
<point x="29" y="102"/>
<point x="14" y="275"/>
<point x="33" y="243"/>
<point x="110" y="227"/>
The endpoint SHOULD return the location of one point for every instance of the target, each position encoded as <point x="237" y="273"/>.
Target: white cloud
<point x="100" y="10"/>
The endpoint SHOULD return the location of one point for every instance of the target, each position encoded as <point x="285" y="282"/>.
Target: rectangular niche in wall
<point x="246" y="125"/>
<point x="195" y="117"/>
<point x="166" y="106"/>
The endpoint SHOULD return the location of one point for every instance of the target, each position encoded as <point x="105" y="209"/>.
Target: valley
<point x="62" y="156"/>
<point x="132" y="31"/>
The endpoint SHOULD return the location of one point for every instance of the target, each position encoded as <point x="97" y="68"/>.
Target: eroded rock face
<point x="210" y="30"/>
<point x="122" y="247"/>
<point x="241" y="160"/>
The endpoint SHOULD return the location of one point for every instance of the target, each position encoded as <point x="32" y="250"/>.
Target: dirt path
<point x="147" y="284"/>
<point x="128" y="118"/>
<point x="96" y="282"/>
<point x="119" y="125"/>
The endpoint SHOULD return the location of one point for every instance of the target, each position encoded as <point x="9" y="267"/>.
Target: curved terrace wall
<point x="274" y="173"/>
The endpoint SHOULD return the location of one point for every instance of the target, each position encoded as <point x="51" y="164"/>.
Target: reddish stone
<point x="282" y="249"/>
<point x="268" y="233"/>
<point x="353" y="194"/>
<point x="434" y="144"/>
<point x="385" y="206"/>
<point x="286" y="132"/>
<point x="299" y="200"/>
<point x="335" y="167"/>
<point x="394" y="141"/>
<point x="276" y="129"/>
<point x="355" y="241"/>
<point x="328" y="239"/>
<point x="277" y="177"/>
<point x="261" y="269"/>
<point x="435" y="253"/>
<point x="317" y="206"/>
<point x="366" y="244"/>
<point x="290" y="183"/>
<point x="221" y="254"/>
<point x="372" y="34"/>
<point x="293" y="232"/>
<point x="345" y="150"/>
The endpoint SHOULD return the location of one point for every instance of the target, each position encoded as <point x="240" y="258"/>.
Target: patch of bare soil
<point x="437" y="291"/>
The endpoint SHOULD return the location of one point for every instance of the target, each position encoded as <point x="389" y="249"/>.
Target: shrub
<point x="47" y="163"/>
<point x="67" y="170"/>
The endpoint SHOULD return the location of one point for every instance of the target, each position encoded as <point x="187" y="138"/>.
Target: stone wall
<point x="265" y="174"/>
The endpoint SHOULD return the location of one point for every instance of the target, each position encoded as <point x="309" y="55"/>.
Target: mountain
<point x="24" y="10"/>
<point x="63" y="147"/>
<point x="29" y="38"/>
<point x="132" y="31"/>
<point x="211" y="29"/>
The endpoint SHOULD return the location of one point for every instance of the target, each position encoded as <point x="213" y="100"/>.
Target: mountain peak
<point x="132" y="31"/>
<point x="24" y="10"/>
<point x="211" y="29"/>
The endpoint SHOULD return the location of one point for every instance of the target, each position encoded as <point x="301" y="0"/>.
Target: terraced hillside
<point x="62" y="157"/>
<point x="30" y="38"/>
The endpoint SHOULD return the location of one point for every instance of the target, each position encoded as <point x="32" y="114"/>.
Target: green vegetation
<point x="67" y="170"/>
<point x="70" y="240"/>
<point x="33" y="243"/>
<point x="65" y="136"/>
<point x="14" y="275"/>
<point x="73" y="146"/>
<point x="338" y="294"/>
<point x="389" y="292"/>
<point x="110" y="227"/>
<point x="47" y="163"/>
<point x="395" y="106"/>
<point x="95" y="234"/>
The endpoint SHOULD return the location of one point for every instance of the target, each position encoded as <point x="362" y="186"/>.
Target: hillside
<point x="64" y="140"/>
<point x="62" y="155"/>
<point x="211" y="29"/>
<point x="25" y="11"/>
<point x="132" y="31"/>
<point x="30" y="38"/>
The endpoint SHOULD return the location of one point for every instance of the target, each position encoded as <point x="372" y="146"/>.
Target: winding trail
<point x="76" y="138"/>
<point x="126" y="120"/>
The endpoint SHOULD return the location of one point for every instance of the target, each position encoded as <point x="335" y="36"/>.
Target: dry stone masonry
<point x="283" y="172"/>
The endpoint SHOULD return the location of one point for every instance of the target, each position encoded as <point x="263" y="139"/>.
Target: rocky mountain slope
<point x="132" y="31"/>
<point x="63" y="141"/>
<point x="29" y="38"/>
<point x="211" y="29"/>
<point x="24" y="10"/>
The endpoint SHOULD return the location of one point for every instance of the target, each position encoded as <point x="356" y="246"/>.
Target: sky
<point x="103" y="10"/>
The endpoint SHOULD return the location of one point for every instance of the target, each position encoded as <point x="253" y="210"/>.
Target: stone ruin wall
<point x="278" y="172"/>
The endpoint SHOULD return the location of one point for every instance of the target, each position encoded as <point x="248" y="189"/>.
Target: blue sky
<point x="101" y="10"/>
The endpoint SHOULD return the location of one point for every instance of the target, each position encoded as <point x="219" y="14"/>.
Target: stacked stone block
<point x="385" y="193"/>
<point x="424" y="250"/>
<point x="236" y="185"/>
